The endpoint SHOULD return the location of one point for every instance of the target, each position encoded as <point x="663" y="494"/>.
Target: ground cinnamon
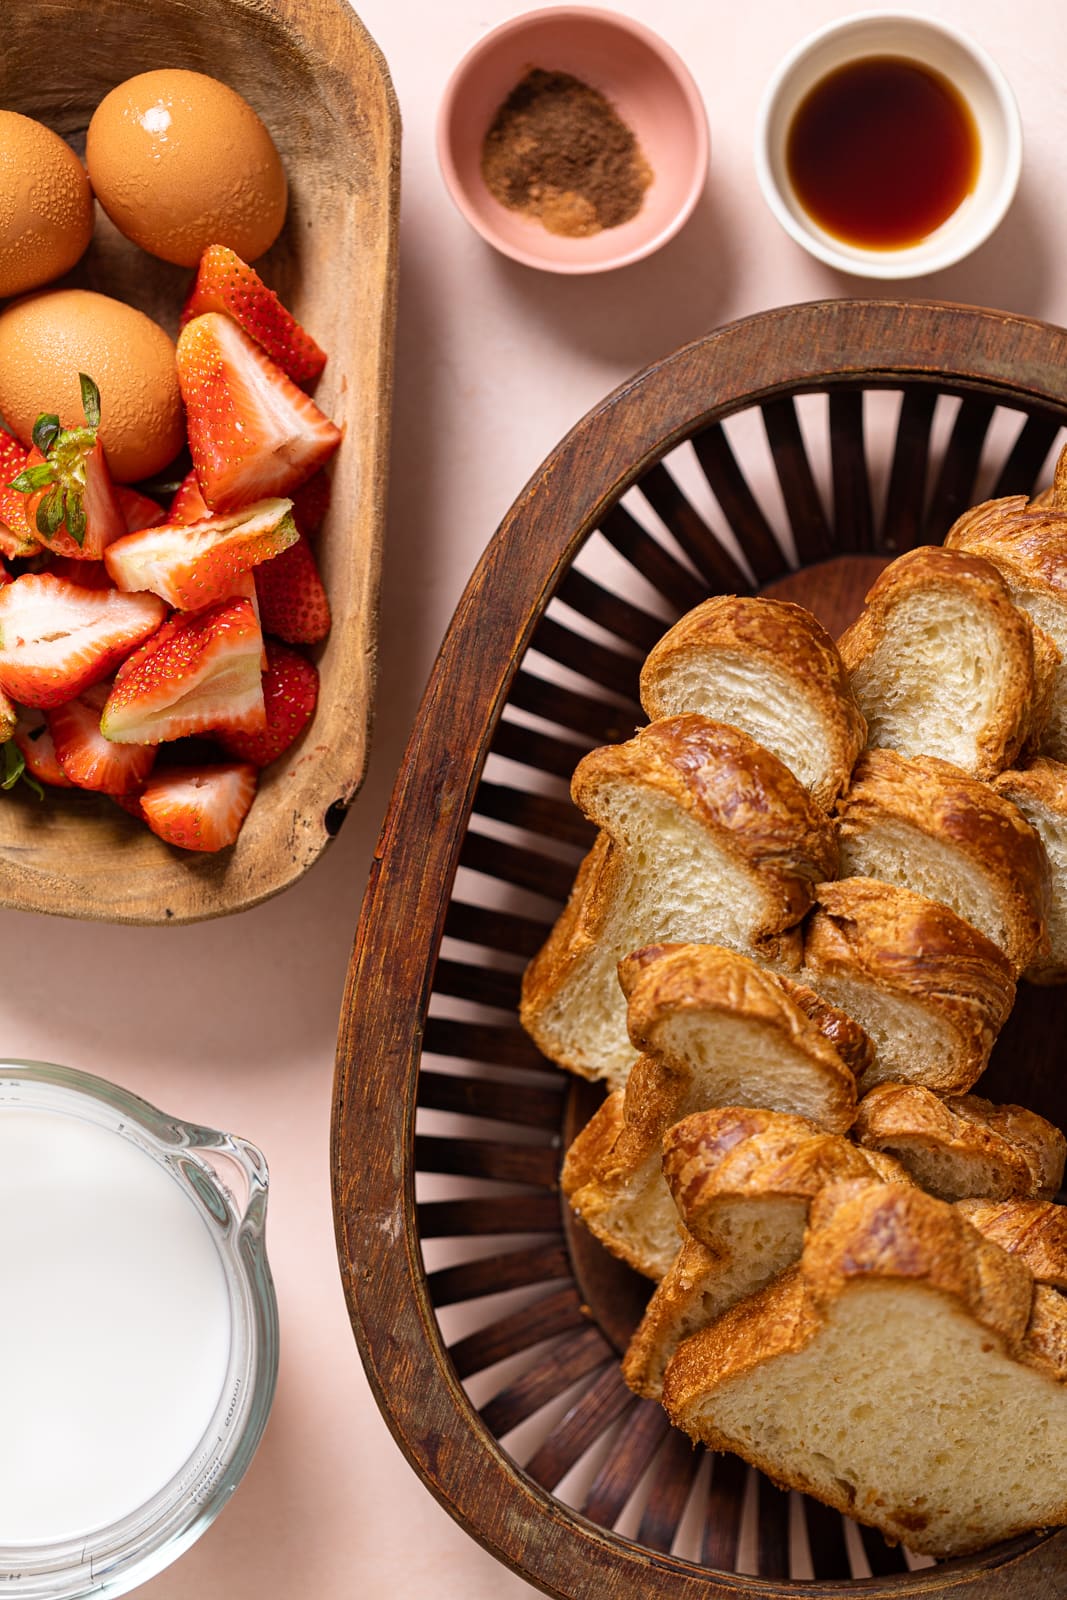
<point x="559" y="151"/>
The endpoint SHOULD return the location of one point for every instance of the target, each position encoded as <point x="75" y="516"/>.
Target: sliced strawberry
<point x="200" y="671"/>
<point x="17" y="534"/>
<point x="34" y="739"/>
<point x="86" y="574"/>
<point x="311" y="503"/>
<point x="5" y="575"/>
<point x="57" y="638"/>
<point x="188" y="504"/>
<point x="89" y="760"/>
<point x="71" y="500"/>
<point x="226" y="283"/>
<point x="130" y="803"/>
<point x="292" y="599"/>
<point x="196" y="563"/>
<point x="252" y="432"/>
<point x="199" y="808"/>
<point x="290" y="692"/>
<point x="138" y="510"/>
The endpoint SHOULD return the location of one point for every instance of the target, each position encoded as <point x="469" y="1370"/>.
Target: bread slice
<point x="927" y="826"/>
<point x="1033" y="1230"/>
<point x="769" y="667"/>
<point x="709" y="839"/>
<point x="931" y="992"/>
<point x="1028" y="546"/>
<point x="732" y="1034"/>
<point x="719" y="1032"/>
<point x="963" y="1146"/>
<point x="1045" y="1345"/>
<point x="942" y="663"/>
<point x="743" y="1181"/>
<point x="1040" y="792"/>
<point x="892" y="1374"/>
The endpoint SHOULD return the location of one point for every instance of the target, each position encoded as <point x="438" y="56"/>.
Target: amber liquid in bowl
<point x="882" y="151"/>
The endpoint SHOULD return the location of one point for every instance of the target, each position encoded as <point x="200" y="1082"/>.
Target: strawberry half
<point x="56" y="638"/>
<point x="226" y="283"/>
<point x="34" y="740"/>
<point x="17" y="534"/>
<point x="86" y="574"/>
<point x="311" y="503"/>
<point x="199" y="808"/>
<point x="252" y="432"/>
<point x="292" y="599"/>
<point x="138" y="510"/>
<point x="194" y="564"/>
<point x="200" y="671"/>
<point x="188" y="504"/>
<point x="89" y="760"/>
<point x="71" y="500"/>
<point x="290" y="692"/>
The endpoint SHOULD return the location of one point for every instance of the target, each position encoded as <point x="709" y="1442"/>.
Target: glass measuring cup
<point x="123" y="1551"/>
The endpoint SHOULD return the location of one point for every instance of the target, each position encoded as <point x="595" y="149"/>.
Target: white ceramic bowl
<point x="934" y="45"/>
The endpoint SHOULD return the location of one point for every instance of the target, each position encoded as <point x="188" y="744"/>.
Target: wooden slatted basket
<point x="793" y="453"/>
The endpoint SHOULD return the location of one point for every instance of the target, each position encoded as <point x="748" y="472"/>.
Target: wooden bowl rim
<point x="814" y="345"/>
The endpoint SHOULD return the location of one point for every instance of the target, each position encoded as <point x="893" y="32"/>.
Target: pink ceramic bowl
<point x="648" y="85"/>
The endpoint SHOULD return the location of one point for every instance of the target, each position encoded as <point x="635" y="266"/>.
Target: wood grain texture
<point x="467" y="719"/>
<point x="304" y="65"/>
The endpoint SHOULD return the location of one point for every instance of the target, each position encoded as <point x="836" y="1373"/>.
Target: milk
<point x="115" y="1326"/>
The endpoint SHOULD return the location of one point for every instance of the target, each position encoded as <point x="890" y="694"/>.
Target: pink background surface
<point x="233" y="1023"/>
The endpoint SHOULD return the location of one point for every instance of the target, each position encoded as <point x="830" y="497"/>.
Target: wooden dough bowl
<point x="313" y="74"/>
<point x="792" y="453"/>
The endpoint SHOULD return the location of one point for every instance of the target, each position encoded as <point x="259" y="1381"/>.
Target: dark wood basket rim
<point x="871" y="343"/>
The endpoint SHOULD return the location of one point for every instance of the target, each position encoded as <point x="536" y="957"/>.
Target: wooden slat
<point x="700" y="543"/>
<point x="598" y="719"/>
<point x="485" y="986"/>
<point x="853" y="517"/>
<point x="738" y="504"/>
<point x="554" y="1314"/>
<point x="903" y="520"/>
<point x="811" y="531"/>
<point x="672" y="1479"/>
<point x="538" y="813"/>
<point x="500" y="1102"/>
<point x="622" y="1471"/>
<point x="485" y="1158"/>
<point x="953" y="492"/>
<point x="610" y="611"/>
<point x="483" y="1041"/>
<point x="513" y="1269"/>
<point x="722" y="1524"/>
<point x="526" y="869"/>
<point x="573" y="1358"/>
<point x="608" y="668"/>
<point x="601" y="1405"/>
<point x="1028" y="454"/>
<point x="772" y="1529"/>
<point x="826" y="1541"/>
<point x="655" y="564"/>
<point x="490" y="929"/>
<point x="461" y="1219"/>
<point x="884" y="1559"/>
<point x="532" y="748"/>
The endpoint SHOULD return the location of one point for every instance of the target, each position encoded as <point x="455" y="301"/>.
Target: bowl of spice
<point x="888" y="145"/>
<point x="573" y="139"/>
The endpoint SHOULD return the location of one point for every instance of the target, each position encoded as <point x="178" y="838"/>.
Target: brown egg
<point x="47" y="339"/>
<point x="179" y="161"/>
<point x="46" y="206"/>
